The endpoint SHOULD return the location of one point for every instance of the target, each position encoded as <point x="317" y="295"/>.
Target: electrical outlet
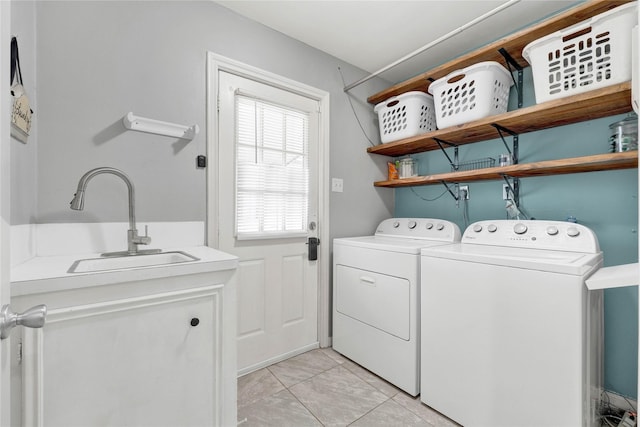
<point x="505" y="191"/>
<point x="464" y="189"/>
<point x="336" y="185"/>
<point x="628" y="420"/>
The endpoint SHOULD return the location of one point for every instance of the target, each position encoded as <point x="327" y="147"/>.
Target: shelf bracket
<point x="455" y="197"/>
<point x="454" y="162"/>
<point x="512" y="62"/>
<point x="514" y="154"/>
<point x="514" y="189"/>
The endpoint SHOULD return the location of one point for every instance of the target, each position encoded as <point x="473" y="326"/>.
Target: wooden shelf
<point x="591" y="105"/>
<point x="513" y="44"/>
<point x="598" y="162"/>
<point x="604" y="102"/>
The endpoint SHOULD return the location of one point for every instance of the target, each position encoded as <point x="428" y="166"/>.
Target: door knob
<point x="32" y="318"/>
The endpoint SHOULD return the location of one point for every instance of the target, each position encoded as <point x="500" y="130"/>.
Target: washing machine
<point x="510" y="334"/>
<point x="376" y="297"/>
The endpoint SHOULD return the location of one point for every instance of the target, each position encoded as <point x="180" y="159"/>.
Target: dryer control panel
<point x="554" y="235"/>
<point x="420" y="228"/>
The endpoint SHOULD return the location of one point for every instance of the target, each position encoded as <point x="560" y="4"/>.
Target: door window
<point x="272" y="169"/>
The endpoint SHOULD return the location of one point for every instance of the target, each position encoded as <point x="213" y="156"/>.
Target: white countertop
<point x="50" y="273"/>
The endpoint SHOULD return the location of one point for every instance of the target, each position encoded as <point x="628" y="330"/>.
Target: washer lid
<point x="391" y="244"/>
<point x="565" y="262"/>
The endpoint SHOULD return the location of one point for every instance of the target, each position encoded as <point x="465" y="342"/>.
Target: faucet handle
<point x="140" y="240"/>
<point x="145" y="240"/>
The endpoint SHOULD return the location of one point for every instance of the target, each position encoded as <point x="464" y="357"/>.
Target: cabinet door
<point x="147" y="361"/>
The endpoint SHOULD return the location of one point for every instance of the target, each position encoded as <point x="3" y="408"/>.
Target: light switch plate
<point x="336" y="185"/>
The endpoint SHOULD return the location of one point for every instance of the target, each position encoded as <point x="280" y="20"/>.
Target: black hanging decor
<point x="21" y="112"/>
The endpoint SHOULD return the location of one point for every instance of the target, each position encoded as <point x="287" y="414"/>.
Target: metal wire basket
<point x="485" y="162"/>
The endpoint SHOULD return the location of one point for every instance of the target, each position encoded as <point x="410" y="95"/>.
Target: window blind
<point x="272" y="169"/>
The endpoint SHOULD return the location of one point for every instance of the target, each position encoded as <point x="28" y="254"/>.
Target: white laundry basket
<point x="405" y="115"/>
<point x="475" y="92"/>
<point x="589" y="55"/>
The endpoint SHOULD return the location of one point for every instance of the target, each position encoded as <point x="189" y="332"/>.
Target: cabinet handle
<point x="195" y="321"/>
<point x="32" y="318"/>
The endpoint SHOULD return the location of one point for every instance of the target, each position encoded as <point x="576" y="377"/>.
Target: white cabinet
<point x="152" y="360"/>
<point x="154" y="352"/>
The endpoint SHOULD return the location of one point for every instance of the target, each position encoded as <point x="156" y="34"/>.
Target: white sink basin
<point x="133" y="261"/>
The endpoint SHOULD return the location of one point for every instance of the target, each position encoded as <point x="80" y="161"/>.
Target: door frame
<point x="217" y="63"/>
<point x="5" y="211"/>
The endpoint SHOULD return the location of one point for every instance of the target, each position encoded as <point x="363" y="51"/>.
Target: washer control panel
<point x="554" y="235"/>
<point x="420" y="228"/>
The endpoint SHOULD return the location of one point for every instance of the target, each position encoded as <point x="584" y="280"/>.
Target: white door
<point x="268" y="204"/>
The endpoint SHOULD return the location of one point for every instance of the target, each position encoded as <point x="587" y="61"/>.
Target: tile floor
<point x="323" y="388"/>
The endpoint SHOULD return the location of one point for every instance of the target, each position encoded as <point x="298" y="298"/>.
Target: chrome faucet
<point x="133" y="239"/>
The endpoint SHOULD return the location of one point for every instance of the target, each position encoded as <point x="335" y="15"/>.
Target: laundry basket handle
<point x="456" y="78"/>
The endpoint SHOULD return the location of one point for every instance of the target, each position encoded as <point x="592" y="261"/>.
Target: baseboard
<point x="274" y="360"/>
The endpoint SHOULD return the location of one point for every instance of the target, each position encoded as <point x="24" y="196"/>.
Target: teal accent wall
<point x="606" y="202"/>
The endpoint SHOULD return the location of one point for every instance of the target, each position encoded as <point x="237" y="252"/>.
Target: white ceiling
<point x="373" y="34"/>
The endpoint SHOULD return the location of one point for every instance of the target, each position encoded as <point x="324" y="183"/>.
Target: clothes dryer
<point x="510" y="334"/>
<point x="376" y="298"/>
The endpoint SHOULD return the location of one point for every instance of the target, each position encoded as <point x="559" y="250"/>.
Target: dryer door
<point x="376" y="299"/>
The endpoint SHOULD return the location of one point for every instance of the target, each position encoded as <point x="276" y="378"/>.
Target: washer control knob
<point x="519" y="228"/>
<point x="440" y="226"/>
<point x="412" y="224"/>
<point x="429" y="226"/>
<point x="552" y="230"/>
<point x="492" y="228"/>
<point x="573" y="232"/>
<point x="477" y="228"/>
<point x="396" y="224"/>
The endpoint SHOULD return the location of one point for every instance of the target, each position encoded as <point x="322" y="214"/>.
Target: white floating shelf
<point x="616" y="276"/>
<point x="158" y="127"/>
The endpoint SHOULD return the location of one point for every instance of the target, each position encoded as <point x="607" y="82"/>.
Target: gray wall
<point x="98" y="60"/>
<point x="24" y="166"/>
